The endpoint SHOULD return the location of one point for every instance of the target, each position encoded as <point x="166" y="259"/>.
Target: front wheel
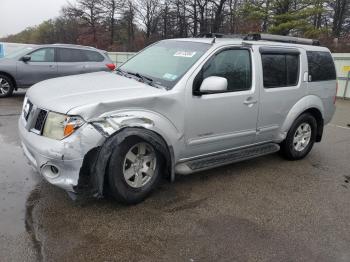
<point x="300" y="138"/>
<point x="6" y="86"/>
<point x="134" y="170"/>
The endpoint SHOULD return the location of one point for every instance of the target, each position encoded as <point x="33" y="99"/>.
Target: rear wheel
<point x="6" y="86"/>
<point x="134" y="170"/>
<point x="300" y="138"/>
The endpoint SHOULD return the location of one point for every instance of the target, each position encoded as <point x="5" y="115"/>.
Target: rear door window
<point x="71" y="55"/>
<point x="321" y="66"/>
<point x="280" y="70"/>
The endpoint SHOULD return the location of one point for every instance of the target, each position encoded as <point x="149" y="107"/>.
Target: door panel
<point x="282" y="87"/>
<point x="71" y="61"/>
<point x="223" y="121"/>
<point x="42" y="66"/>
<point x="72" y="68"/>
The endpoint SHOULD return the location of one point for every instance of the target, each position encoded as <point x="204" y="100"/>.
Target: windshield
<point x="166" y="62"/>
<point x="19" y="52"/>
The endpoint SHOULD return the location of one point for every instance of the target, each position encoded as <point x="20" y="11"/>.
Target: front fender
<point x="307" y="102"/>
<point x="149" y="120"/>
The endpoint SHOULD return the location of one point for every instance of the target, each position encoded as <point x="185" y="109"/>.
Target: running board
<point x="225" y="158"/>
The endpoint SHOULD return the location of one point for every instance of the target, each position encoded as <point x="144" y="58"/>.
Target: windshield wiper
<point x="121" y="72"/>
<point x="145" y="79"/>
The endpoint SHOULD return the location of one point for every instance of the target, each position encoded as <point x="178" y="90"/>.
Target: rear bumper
<point x="59" y="162"/>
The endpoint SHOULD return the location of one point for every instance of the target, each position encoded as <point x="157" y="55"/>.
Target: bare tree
<point x="165" y="13"/>
<point x="148" y="13"/>
<point x="132" y="24"/>
<point x="202" y="9"/>
<point x="111" y="9"/>
<point x="129" y="16"/>
<point x="89" y="11"/>
<point x="218" y="14"/>
<point x="340" y="8"/>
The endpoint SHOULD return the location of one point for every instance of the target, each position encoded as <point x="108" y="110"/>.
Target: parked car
<point x="178" y="107"/>
<point x="31" y="65"/>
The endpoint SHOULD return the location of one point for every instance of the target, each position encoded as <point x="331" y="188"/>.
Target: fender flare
<point x="306" y="103"/>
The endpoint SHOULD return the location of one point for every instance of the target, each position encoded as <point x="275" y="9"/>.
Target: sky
<point x="17" y="15"/>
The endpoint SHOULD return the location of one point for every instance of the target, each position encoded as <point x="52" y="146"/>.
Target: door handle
<point x="250" y="102"/>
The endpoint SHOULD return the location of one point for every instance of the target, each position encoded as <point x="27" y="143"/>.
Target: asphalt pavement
<point x="266" y="209"/>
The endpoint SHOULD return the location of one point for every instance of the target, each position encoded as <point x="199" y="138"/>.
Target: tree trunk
<point x="218" y="16"/>
<point x="338" y="19"/>
<point x="266" y="17"/>
<point x="195" y="19"/>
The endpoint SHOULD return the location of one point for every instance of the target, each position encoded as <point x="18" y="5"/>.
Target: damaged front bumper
<point x="59" y="161"/>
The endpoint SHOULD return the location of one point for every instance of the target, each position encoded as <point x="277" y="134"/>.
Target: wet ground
<point x="266" y="209"/>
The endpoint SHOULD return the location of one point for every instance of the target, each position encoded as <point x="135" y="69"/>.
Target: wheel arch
<point x="310" y="104"/>
<point x="319" y="120"/>
<point x="92" y="177"/>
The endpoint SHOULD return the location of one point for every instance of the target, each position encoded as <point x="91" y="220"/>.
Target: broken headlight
<point x="59" y="126"/>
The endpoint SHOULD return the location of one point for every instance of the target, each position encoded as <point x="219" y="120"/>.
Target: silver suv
<point x="30" y="65"/>
<point x="178" y="107"/>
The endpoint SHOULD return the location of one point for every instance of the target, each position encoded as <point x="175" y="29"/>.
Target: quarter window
<point x="280" y="70"/>
<point x="321" y="66"/>
<point x="93" y="56"/>
<point x="43" y="55"/>
<point x="234" y="65"/>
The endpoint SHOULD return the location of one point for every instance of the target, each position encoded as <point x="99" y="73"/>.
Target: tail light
<point x="336" y="92"/>
<point x="111" y="66"/>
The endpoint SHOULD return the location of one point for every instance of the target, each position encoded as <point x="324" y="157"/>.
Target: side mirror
<point x="26" y="58"/>
<point x="213" y="84"/>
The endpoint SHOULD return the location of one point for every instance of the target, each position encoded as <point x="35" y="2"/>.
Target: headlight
<point x="58" y="126"/>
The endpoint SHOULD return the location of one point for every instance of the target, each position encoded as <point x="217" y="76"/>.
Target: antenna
<point x="214" y="40"/>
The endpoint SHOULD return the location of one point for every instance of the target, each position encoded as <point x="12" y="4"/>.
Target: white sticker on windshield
<point x="170" y="77"/>
<point x="186" y="54"/>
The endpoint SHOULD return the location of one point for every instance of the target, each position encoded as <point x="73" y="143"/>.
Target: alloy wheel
<point x="139" y="165"/>
<point x="4" y="86"/>
<point x="302" y="137"/>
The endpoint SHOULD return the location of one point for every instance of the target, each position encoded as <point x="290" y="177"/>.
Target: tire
<point x="6" y="86"/>
<point x="300" y="138"/>
<point x="139" y="186"/>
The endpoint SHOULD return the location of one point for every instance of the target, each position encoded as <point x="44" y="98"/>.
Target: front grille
<point x="27" y="110"/>
<point x="40" y="120"/>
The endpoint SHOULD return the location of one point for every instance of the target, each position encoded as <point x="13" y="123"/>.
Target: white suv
<point x="178" y="107"/>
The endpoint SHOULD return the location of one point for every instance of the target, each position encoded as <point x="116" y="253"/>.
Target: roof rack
<point x="73" y="45"/>
<point x="219" y="35"/>
<point x="281" y="38"/>
<point x="265" y="37"/>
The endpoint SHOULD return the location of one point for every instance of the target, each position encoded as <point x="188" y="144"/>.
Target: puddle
<point x="17" y="180"/>
<point x="33" y="198"/>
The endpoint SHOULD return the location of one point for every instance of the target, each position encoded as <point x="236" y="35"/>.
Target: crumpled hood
<point x="80" y="94"/>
